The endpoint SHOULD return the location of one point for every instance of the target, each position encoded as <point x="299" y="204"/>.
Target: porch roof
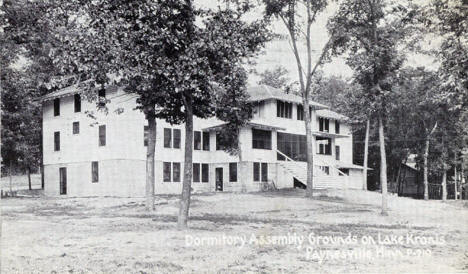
<point x="251" y="124"/>
<point x="328" y="134"/>
<point x="340" y="164"/>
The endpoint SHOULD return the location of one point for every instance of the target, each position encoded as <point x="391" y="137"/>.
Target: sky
<point x="279" y="52"/>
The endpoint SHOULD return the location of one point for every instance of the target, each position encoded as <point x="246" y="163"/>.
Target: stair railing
<point x="288" y="159"/>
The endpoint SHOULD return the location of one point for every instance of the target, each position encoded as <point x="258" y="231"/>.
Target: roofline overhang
<point x="249" y="124"/>
<point x="328" y="134"/>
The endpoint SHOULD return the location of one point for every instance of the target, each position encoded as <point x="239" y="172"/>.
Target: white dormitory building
<point x="106" y="155"/>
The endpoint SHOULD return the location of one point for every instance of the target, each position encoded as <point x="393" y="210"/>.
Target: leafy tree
<point x="370" y="32"/>
<point x="290" y="12"/>
<point x="160" y="54"/>
<point x="278" y="78"/>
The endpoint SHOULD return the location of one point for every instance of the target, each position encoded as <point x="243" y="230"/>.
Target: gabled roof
<point x="264" y="92"/>
<point x="326" y="113"/>
<point x="60" y="93"/>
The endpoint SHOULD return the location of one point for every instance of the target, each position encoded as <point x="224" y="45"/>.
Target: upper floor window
<point x="221" y="143"/>
<point x="206" y="141"/>
<point x="324" y="124"/>
<point x="197" y="140"/>
<point x="172" y="138"/>
<point x="76" y="127"/>
<point x="102" y="135"/>
<point x="261" y="139"/>
<point x="300" y="112"/>
<point x="283" y="109"/>
<point x="145" y="135"/>
<point x="292" y="145"/>
<point x="56" y="106"/>
<point x="77" y="103"/>
<point x="337" y="127"/>
<point x="337" y="152"/>
<point x="102" y="97"/>
<point x="57" y="141"/>
<point x="324" y="146"/>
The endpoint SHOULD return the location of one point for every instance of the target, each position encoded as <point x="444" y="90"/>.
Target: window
<point x="167" y="137"/>
<point x="337" y="127"/>
<point x="221" y="142"/>
<point x="145" y="136"/>
<point x="261" y="139"/>
<point x="232" y="172"/>
<point x="337" y="152"/>
<point x="205" y="173"/>
<point x="264" y="172"/>
<point x="77" y="103"/>
<point x="324" y="145"/>
<point x="94" y="172"/>
<point x="283" y="109"/>
<point x="300" y="112"/>
<point x="344" y="170"/>
<point x="176" y="172"/>
<point x="206" y="141"/>
<point x="256" y="172"/>
<point x="196" y="172"/>
<point x="57" y="107"/>
<point x="102" y="135"/>
<point x="324" y="124"/>
<point x="102" y="97"/>
<point x="177" y="138"/>
<point x="293" y="145"/>
<point x="325" y="169"/>
<point x="57" y="141"/>
<point x="76" y="127"/>
<point x="166" y="171"/>
<point x="197" y="140"/>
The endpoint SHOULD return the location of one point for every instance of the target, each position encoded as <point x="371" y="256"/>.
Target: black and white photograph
<point x="234" y="136"/>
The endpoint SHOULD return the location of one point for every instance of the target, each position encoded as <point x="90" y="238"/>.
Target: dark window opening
<point x="283" y="109"/>
<point x="57" y="141"/>
<point x="94" y="172"/>
<point x="167" y="137"/>
<point x="256" y="172"/>
<point x="292" y="145"/>
<point x="337" y="152"/>
<point x="337" y="127"/>
<point x="264" y="172"/>
<point x="176" y="172"/>
<point x="205" y="173"/>
<point x="57" y="107"/>
<point x="102" y="97"/>
<point x="325" y="169"/>
<point x="221" y="142"/>
<point x="232" y="172"/>
<point x="76" y="127"/>
<point x="166" y="171"/>
<point x="196" y="172"/>
<point x="196" y="140"/>
<point x="261" y="139"/>
<point x="300" y="112"/>
<point x="77" y="103"/>
<point x="206" y="141"/>
<point x="324" y="146"/>
<point x="102" y="135"/>
<point x="177" y="138"/>
<point x="324" y="124"/>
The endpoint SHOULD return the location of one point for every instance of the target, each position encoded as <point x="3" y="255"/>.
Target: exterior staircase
<point x="321" y="179"/>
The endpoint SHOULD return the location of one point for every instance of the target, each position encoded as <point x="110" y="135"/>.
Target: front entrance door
<point x="63" y="180"/>
<point x="219" y="179"/>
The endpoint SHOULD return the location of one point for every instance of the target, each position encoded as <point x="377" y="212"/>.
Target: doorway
<point x="219" y="179"/>
<point x="63" y="180"/>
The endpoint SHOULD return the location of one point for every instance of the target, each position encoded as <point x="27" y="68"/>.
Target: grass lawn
<point x="116" y="235"/>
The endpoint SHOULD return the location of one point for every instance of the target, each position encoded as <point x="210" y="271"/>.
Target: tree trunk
<point x="187" y="183"/>
<point x="366" y="155"/>
<point x="150" y="180"/>
<point x="28" y="170"/>
<point x="426" y="183"/>
<point x="383" y="167"/>
<point x="310" y="149"/>
<point x="455" y="173"/>
<point x="10" y="173"/>
<point x="462" y="174"/>
<point x="239" y="153"/>
<point x="444" y="185"/>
